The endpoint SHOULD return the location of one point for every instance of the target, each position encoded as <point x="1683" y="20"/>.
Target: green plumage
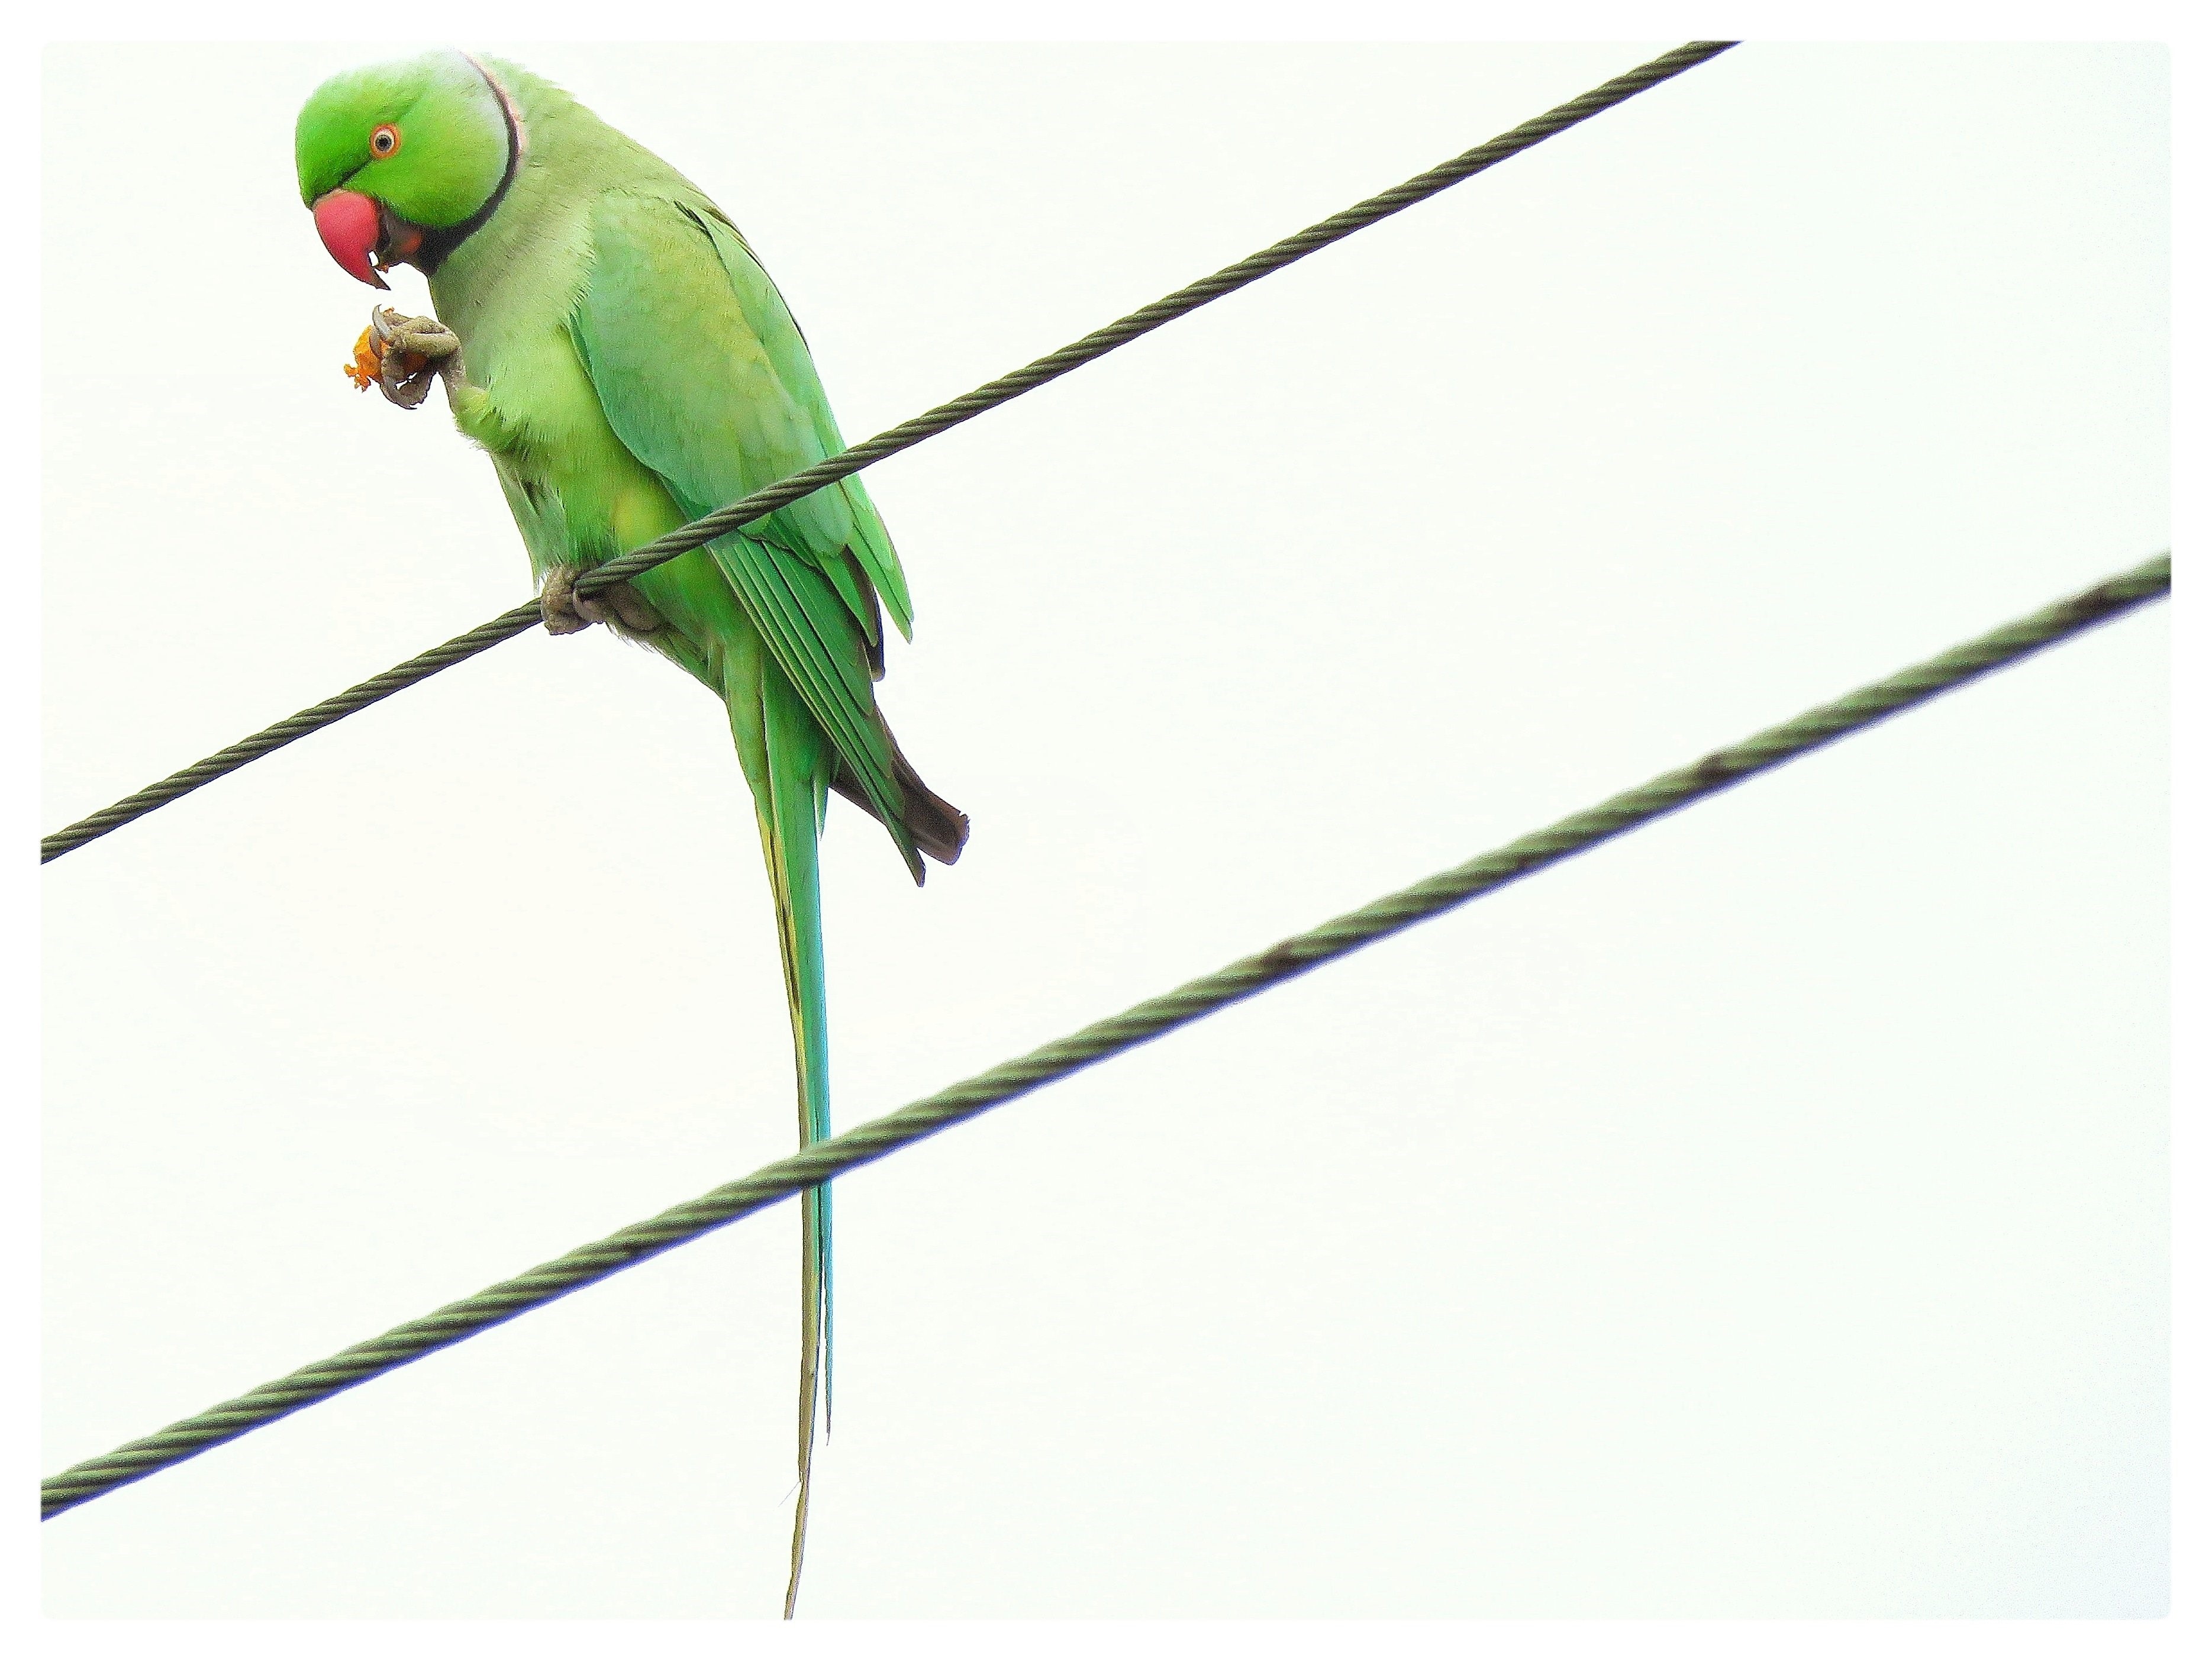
<point x="628" y="366"/>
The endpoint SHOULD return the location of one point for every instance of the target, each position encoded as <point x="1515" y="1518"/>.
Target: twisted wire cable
<point x="762" y="502"/>
<point x="870" y="1141"/>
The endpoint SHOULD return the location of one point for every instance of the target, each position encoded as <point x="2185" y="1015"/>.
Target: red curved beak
<point x="351" y="225"/>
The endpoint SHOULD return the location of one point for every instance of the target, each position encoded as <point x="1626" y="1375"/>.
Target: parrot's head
<point x="399" y="161"/>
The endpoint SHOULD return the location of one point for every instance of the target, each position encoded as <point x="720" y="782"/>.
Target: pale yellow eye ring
<point x="385" y="141"/>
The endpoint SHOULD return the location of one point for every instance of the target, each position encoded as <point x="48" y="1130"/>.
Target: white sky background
<point x="1764" y="1216"/>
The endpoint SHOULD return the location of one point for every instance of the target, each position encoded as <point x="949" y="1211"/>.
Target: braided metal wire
<point x="1149" y="1020"/>
<point x="762" y="502"/>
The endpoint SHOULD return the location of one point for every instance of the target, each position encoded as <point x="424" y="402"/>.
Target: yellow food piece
<point x="367" y="363"/>
<point x="367" y="360"/>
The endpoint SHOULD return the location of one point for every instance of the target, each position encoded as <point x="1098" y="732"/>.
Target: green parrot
<point x="607" y="336"/>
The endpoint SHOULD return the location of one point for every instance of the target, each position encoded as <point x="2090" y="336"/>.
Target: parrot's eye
<point x="385" y="140"/>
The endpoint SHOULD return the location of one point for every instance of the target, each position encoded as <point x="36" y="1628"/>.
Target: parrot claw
<point x="566" y="611"/>
<point x="410" y="352"/>
<point x="557" y="602"/>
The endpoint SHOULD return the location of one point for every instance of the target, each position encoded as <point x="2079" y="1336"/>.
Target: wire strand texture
<point x="864" y="1143"/>
<point x="904" y="436"/>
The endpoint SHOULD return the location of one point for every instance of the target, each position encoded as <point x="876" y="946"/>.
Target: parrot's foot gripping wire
<point x="567" y="611"/>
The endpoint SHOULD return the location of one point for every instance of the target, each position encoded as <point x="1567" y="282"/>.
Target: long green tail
<point x="791" y="765"/>
<point x="798" y="771"/>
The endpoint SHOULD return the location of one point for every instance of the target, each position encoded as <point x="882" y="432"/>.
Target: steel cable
<point x="762" y="502"/>
<point x="872" y="1141"/>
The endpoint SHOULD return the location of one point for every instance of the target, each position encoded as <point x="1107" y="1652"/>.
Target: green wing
<point x="706" y="380"/>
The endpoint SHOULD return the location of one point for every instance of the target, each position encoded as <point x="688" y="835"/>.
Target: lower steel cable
<point x="864" y="1143"/>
